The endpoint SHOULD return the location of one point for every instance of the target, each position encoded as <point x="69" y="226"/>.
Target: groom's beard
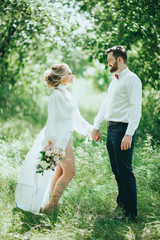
<point x="114" y="68"/>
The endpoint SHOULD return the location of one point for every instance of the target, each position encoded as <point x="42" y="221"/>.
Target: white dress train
<point x="33" y="189"/>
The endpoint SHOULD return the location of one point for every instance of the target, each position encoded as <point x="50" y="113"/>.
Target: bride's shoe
<point x="49" y="208"/>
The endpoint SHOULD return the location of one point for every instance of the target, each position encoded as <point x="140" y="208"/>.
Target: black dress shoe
<point x="118" y="211"/>
<point x="125" y="218"/>
<point x="120" y="205"/>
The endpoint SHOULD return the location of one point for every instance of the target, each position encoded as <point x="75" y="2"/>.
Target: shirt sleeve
<point x="80" y="125"/>
<point x="99" y="119"/>
<point x="134" y="89"/>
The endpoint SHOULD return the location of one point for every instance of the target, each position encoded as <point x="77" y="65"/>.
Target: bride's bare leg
<point x="68" y="173"/>
<point x="57" y="174"/>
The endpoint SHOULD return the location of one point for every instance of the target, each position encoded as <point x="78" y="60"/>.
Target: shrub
<point x="150" y="120"/>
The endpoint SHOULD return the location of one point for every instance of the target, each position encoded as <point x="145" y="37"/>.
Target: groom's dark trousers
<point x="121" y="163"/>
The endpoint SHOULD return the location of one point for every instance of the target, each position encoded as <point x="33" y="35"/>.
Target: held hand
<point x="126" y="142"/>
<point x="96" y="135"/>
<point x="100" y="136"/>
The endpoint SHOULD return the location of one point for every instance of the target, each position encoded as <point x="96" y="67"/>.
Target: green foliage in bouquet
<point x="50" y="159"/>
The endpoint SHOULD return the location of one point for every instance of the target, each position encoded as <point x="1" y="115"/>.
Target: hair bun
<point x="54" y="75"/>
<point x="54" y="67"/>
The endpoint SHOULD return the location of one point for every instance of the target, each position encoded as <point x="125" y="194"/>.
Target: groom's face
<point x="112" y="63"/>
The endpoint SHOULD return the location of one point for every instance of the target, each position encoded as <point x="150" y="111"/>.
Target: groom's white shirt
<point x="123" y="102"/>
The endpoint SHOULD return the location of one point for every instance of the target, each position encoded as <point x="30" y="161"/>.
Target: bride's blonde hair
<point x="53" y="76"/>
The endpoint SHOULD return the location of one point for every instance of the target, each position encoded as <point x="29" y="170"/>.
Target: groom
<point x="122" y="110"/>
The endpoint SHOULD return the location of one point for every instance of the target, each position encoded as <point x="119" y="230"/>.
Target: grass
<point x="86" y="206"/>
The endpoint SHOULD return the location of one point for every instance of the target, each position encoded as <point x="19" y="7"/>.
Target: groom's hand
<point x="96" y="135"/>
<point x="126" y="142"/>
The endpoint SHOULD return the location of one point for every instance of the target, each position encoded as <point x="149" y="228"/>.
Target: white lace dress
<point x="33" y="189"/>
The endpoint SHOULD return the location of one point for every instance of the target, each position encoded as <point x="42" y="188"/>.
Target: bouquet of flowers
<point x="50" y="159"/>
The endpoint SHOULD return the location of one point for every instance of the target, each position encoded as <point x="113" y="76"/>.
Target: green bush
<point x="24" y="105"/>
<point x="150" y="120"/>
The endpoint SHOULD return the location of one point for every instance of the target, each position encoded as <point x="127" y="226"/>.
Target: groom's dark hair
<point x="118" y="51"/>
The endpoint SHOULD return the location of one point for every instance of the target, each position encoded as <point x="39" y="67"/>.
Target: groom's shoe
<point x="127" y="218"/>
<point x="118" y="211"/>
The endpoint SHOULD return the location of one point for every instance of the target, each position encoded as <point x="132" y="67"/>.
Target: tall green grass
<point x="86" y="207"/>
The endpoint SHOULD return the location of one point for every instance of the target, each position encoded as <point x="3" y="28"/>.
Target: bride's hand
<point x="50" y="145"/>
<point x="96" y="135"/>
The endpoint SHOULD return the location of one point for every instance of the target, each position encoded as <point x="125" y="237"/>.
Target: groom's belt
<point x="111" y="123"/>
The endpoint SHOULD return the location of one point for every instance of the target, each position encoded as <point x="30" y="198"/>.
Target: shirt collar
<point x="123" y="72"/>
<point x="61" y="86"/>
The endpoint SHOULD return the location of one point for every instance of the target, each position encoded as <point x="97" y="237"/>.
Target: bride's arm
<point x="50" y="134"/>
<point x="80" y="125"/>
<point x="59" y="112"/>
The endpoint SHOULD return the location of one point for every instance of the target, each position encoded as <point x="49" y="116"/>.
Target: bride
<point x="34" y="192"/>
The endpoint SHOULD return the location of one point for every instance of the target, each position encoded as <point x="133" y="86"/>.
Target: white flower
<point x="53" y="166"/>
<point x="58" y="162"/>
<point x="56" y="158"/>
<point x="44" y="164"/>
<point x="55" y="150"/>
<point x="47" y="159"/>
<point x="62" y="154"/>
<point x="48" y="153"/>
